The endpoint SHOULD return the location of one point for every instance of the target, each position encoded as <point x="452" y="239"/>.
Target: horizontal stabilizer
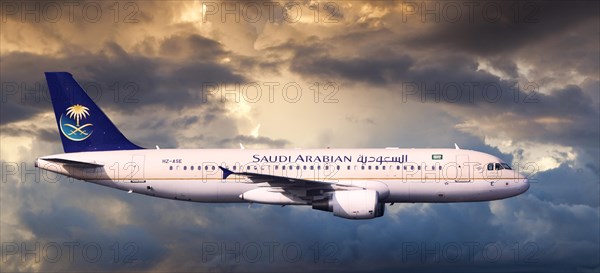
<point x="74" y="163"/>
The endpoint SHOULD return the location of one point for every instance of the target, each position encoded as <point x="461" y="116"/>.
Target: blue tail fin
<point x="81" y="124"/>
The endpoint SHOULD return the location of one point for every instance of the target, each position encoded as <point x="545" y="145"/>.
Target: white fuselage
<point x="399" y="175"/>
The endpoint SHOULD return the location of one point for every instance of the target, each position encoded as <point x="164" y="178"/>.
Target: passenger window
<point x="170" y="168"/>
<point x="412" y="168"/>
<point x="348" y="167"/>
<point x="212" y="168"/>
<point x="312" y="167"/>
<point x="362" y="167"/>
<point x="369" y="167"/>
<point x="184" y="168"/>
<point x="234" y="167"/>
<point x="376" y="167"/>
<point x="419" y="167"/>
<point x="326" y="167"/>
<point x="383" y="167"/>
<point x="440" y="168"/>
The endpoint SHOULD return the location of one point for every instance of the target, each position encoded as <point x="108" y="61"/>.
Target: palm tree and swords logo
<point x="70" y="123"/>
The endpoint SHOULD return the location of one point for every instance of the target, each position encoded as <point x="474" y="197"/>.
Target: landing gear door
<point x="463" y="173"/>
<point x="134" y="170"/>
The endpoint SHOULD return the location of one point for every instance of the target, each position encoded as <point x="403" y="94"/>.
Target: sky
<point x="519" y="80"/>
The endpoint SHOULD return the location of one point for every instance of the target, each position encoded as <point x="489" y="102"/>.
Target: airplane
<point x="350" y="183"/>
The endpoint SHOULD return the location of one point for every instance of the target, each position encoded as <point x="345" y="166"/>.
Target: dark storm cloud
<point x="61" y="224"/>
<point x="453" y="79"/>
<point x="376" y="71"/>
<point x="567" y="185"/>
<point x="503" y="26"/>
<point x="117" y="79"/>
<point x="33" y="130"/>
<point x="191" y="46"/>
<point x="556" y="28"/>
<point x="12" y="111"/>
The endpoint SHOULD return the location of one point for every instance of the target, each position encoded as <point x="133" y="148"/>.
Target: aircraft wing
<point x="274" y="179"/>
<point x="306" y="189"/>
<point x="303" y="189"/>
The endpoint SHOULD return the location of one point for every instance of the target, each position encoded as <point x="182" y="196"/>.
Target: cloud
<point x="126" y="80"/>
<point x="149" y="77"/>
<point x="495" y="106"/>
<point x="501" y="27"/>
<point x="253" y="140"/>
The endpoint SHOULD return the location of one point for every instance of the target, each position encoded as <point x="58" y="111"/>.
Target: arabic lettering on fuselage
<point x="327" y="159"/>
<point x="382" y="159"/>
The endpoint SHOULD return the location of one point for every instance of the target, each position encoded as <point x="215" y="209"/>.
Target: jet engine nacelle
<point x="270" y="196"/>
<point x="352" y="204"/>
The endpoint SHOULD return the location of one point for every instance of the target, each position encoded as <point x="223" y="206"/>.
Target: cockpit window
<point x="498" y="166"/>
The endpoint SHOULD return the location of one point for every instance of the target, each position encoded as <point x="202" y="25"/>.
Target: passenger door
<point x="463" y="173"/>
<point x="134" y="170"/>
